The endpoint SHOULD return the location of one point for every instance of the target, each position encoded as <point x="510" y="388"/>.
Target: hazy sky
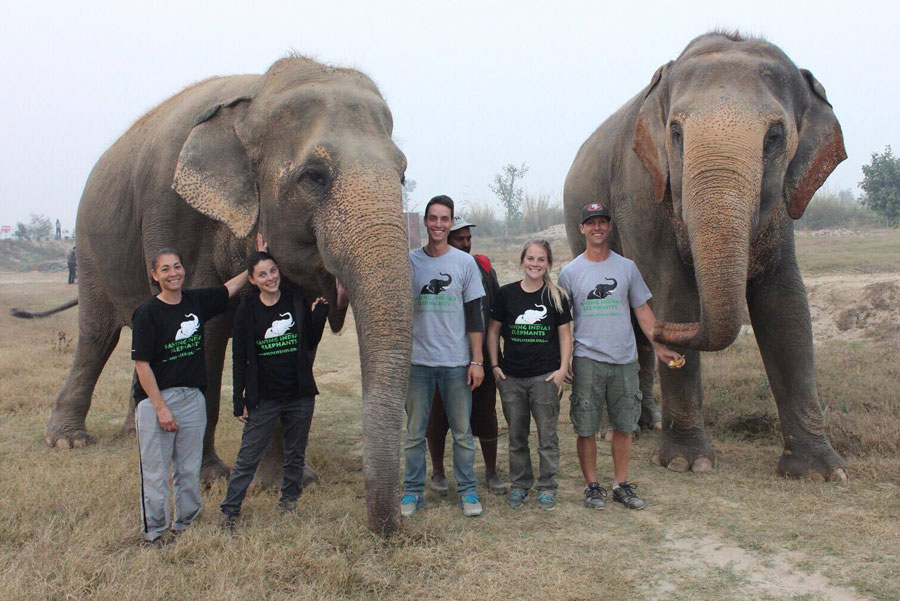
<point x="472" y="85"/>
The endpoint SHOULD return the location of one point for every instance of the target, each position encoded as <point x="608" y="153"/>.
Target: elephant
<point x="280" y="326"/>
<point x="531" y="316"/>
<point x="437" y="286"/>
<point x="188" y="328"/>
<point x="302" y="154"/>
<point x="603" y="290"/>
<point x="704" y="170"/>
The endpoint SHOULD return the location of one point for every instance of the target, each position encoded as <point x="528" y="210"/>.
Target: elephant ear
<point x="820" y="148"/>
<point x="214" y="174"/>
<point x="650" y="134"/>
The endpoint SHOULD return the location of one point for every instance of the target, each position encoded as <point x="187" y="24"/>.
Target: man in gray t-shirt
<point x="448" y="331"/>
<point x="604" y="288"/>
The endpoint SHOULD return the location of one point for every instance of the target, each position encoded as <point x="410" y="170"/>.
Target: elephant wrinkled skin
<point x="302" y="154"/>
<point x="703" y="170"/>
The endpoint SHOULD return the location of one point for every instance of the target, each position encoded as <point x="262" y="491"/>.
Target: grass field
<point x="69" y="519"/>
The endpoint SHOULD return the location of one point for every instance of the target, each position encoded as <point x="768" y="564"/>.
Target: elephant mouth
<point x="336" y="295"/>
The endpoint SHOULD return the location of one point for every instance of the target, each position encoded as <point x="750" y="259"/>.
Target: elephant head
<point x="307" y="157"/>
<point x="734" y="137"/>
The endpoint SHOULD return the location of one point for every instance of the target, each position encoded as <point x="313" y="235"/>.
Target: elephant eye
<point x="316" y="175"/>
<point x="774" y="139"/>
<point x="675" y="133"/>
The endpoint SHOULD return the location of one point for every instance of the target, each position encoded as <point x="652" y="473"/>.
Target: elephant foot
<point x="817" y="461"/>
<point x="128" y="428"/>
<point x="62" y="437"/>
<point x="651" y="417"/>
<point x="213" y="468"/>
<point x="310" y="476"/>
<point x="686" y="452"/>
<point x="271" y="478"/>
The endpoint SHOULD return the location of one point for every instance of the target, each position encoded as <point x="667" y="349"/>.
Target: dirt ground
<point x="69" y="525"/>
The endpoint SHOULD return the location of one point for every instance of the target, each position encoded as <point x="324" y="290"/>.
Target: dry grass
<point x="69" y="525"/>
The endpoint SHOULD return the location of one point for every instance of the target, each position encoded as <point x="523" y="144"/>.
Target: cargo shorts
<point x="597" y="384"/>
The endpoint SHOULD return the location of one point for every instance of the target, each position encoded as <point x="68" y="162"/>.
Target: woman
<point x="276" y="332"/>
<point x="533" y="317"/>
<point x="167" y="349"/>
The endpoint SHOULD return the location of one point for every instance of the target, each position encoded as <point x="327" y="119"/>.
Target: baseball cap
<point x="459" y="223"/>
<point x="594" y="210"/>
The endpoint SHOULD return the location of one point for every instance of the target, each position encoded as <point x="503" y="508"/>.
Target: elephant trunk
<point x="722" y="179"/>
<point x="366" y="249"/>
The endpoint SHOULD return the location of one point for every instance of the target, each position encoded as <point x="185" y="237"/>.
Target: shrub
<point x="834" y="210"/>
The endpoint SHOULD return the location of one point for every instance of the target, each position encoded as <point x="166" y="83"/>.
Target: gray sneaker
<point x="516" y="498"/>
<point x="471" y="506"/>
<point x="439" y="485"/>
<point x="624" y="494"/>
<point x="410" y="504"/>
<point x="288" y="506"/>
<point x="547" y="500"/>
<point x="594" y="495"/>
<point x="497" y="486"/>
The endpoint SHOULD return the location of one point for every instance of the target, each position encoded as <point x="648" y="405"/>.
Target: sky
<point x="472" y="85"/>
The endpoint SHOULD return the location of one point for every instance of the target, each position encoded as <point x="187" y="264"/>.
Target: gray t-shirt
<point x="601" y="295"/>
<point x="441" y="285"/>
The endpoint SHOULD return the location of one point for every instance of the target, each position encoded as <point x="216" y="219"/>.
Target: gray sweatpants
<point x="178" y="453"/>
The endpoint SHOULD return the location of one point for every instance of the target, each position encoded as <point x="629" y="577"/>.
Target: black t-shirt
<point x="529" y="327"/>
<point x="277" y="344"/>
<point x="170" y="337"/>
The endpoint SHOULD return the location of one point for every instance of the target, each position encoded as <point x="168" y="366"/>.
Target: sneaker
<point x="287" y="506"/>
<point x="547" y="501"/>
<point x="410" y="504"/>
<point x="624" y="494"/>
<point x="594" y="495"/>
<point x="497" y="486"/>
<point x="439" y="485"/>
<point x="227" y="523"/>
<point x="471" y="506"/>
<point x="516" y="498"/>
<point x="157" y="543"/>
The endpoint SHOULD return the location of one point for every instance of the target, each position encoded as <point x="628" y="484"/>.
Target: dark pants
<point x="295" y="416"/>
<point x="71" y="274"/>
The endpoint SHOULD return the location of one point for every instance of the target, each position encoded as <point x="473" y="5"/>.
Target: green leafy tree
<point x="40" y="227"/>
<point x="21" y="232"/>
<point x="881" y="184"/>
<point x="509" y="193"/>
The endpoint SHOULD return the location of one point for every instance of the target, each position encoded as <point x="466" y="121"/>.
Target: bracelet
<point x="476" y="363"/>
<point x="494" y="366"/>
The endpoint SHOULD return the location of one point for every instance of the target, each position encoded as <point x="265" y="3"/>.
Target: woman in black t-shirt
<point x="533" y="316"/>
<point x="170" y="415"/>
<point x="275" y="336"/>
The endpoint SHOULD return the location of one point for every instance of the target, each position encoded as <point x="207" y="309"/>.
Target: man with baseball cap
<point x="603" y="286"/>
<point x="484" y="398"/>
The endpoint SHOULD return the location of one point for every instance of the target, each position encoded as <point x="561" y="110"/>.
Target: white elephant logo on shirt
<point x="280" y="326"/>
<point x="532" y="315"/>
<point x="188" y="328"/>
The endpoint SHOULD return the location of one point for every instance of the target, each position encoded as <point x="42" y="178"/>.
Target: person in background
<point x="484" y="398"/>
<point x="72" y="263"/>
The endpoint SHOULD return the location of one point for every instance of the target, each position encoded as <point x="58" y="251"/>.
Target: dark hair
<point x="255" y="258"/>
<point x="163" y="251"/>
<point x="442" y="199"/>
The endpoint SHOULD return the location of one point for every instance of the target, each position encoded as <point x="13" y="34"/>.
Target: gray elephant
<point x="436" y="286"/>
<point x="703" y="171"/>
<point x="303" y="154"/>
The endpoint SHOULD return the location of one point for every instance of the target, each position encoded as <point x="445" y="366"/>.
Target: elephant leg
<point x="98" y="334"/>
<point x="128" y="426"/>
<point x="779" y="312"/>
<point x="216" y="340"/>
<point x="683" y="445"/>
<point x="269" y="472"/>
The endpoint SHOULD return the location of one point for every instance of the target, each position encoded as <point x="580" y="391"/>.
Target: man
<point x="484" y="398"/>
<point x="58" y="235"/>
<point x="72" y="263"/>
<point x="448" y="332"/>
<point x="605" y="365"/>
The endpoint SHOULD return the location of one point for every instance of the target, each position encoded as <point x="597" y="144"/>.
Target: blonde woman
<point x="533" y="316"/>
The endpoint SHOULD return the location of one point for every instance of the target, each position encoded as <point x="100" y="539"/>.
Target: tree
<point x="881" y="184"/>
<point x="40" y="227"/>
<point x="510" y="196"/>
<point x="21" y="232"/>
<point x="409" y="186"/>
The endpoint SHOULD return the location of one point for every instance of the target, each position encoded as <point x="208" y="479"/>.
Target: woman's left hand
<point x="558" y="377"/>
<point x="321" y="300"/>
<point x="261" y="245"/>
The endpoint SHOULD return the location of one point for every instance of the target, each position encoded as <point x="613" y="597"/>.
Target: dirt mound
<point x="855" y="307"/>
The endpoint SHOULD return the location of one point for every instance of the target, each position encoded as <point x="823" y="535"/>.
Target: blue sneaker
<point x="410" y="504"/>
<point x="471" y="506"/>
<point x="516" y="498"/>
<point x="547" y="500"/>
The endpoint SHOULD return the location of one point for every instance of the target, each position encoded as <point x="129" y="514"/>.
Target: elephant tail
<point x="36" y="314"/>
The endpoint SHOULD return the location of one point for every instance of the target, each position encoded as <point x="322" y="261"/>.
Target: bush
<point x="482" y="215"/>
<point x="830" y="210"/>
<point x="540" y="212"/>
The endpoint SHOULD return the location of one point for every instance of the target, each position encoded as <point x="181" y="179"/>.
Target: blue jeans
<point x="451" y="383"/>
